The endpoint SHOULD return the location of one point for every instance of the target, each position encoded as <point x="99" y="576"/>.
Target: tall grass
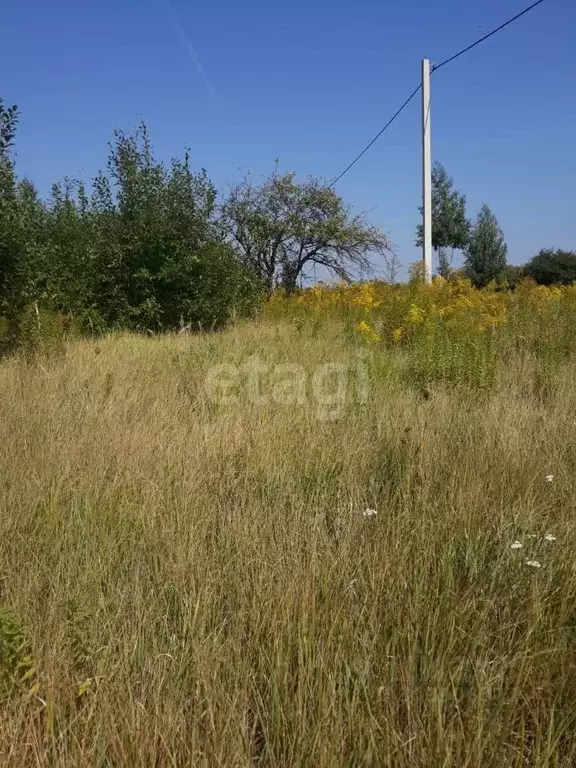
<point x="190" y="582"/>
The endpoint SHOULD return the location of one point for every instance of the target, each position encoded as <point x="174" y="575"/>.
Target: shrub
<point x="42" y="330"/>
<point x="550" y="267"/>
<point x="141" y="250"/>
<point x="202" y="289"/>
<point x="511" y="275"/>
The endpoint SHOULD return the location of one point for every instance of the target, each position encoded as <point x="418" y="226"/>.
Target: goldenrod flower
<point x="415" y="315"/>
<point x="367" y="332"/>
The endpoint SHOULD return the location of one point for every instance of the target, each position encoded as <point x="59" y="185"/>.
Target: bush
<point x="511" y="275"/>
<point x="41" y="331"/>
<point x="202" y="289"/>
<point x="550" y="267"/>
<point x="140" y="250"/>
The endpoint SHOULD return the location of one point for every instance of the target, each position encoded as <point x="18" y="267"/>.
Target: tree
<point x="157" y="256"/>
<point x="67" y="259"/>
<point x="140" y="251"/>
<point x="8" y="125"/>
<point x="281" y="227"/>
<point x="22" y="233"/>
<point x="552" y="267"/>
<point x="450" y="227"/>
<point x="12" y="241"/>
<point x="486" y="251"/>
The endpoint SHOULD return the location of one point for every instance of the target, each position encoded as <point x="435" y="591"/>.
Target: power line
<point x="375" y="139"/>
<point x="490" y="34"/>
<point x="415" y="91"/>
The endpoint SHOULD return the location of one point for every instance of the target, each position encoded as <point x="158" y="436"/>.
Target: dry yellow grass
<point x="197" y="583"/>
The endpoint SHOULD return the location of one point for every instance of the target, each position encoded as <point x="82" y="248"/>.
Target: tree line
<point x="483" y="243"/>
<point x="147" y="245"/>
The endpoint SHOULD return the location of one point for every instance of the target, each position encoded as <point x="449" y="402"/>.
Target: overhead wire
<point x="485" y="37"/>
<point x="435" y="68"/>
<point x="375" y="139"/>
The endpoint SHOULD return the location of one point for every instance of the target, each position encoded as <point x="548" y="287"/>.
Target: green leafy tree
<point x="160" y="259"/>
<point x="450" y="227"/>
<point x="140" y="250"/>
<point x="8" y="124"/>
<point x="282" y="227"/>
<point x="486" y="253"/>
<point x="552" y="267"/>
<point x="12" y="236"/>
<point x="10" y="243"/>
<point x="67" y="263"/>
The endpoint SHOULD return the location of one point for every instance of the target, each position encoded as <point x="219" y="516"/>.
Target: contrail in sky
<point x="193" y="53"/>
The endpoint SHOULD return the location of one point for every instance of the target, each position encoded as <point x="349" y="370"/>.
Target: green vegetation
<point x="282" y="227"/>
<point x="139" y="250"/>
<point x="450" y="227"/>
<point x="338" y="532"/>
<point x="146" y="247"/>
<point x="551" y="267"/>
<point x="486" y="250"/>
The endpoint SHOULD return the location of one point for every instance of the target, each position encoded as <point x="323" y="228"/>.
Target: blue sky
<point x="310" y="82"/>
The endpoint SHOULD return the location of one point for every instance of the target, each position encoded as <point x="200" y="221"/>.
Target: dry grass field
<point x="328" y="564"/>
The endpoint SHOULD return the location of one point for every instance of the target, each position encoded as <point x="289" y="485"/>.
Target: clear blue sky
<point x="309" y="82"/>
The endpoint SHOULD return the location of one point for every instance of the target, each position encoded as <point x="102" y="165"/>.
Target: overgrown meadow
<point x="339" y="534"/>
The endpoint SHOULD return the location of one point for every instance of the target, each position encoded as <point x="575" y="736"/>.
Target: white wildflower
<point x="370" y="512"/>
<point x="549" y="478"/>
<point x="550" y="537"/>
<point x="516" y="545"/>
<point x="532" y="536"/>
<point x="533" y="563"/>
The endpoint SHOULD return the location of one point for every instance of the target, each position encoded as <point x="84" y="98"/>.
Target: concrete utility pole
<point x="426" y="174"/>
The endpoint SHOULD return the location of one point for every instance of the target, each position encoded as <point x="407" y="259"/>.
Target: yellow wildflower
<point x="415" y="314"/>
<point x="367" y="333"/>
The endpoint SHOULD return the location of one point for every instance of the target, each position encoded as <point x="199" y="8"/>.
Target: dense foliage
<point x="486" y="251"/>
<point x="11" y="234"/>
<point x="145" y="246"/>
<point x="551" y="267"/>
<point x="140" y="249"/>
<point x="454" y="332"/>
